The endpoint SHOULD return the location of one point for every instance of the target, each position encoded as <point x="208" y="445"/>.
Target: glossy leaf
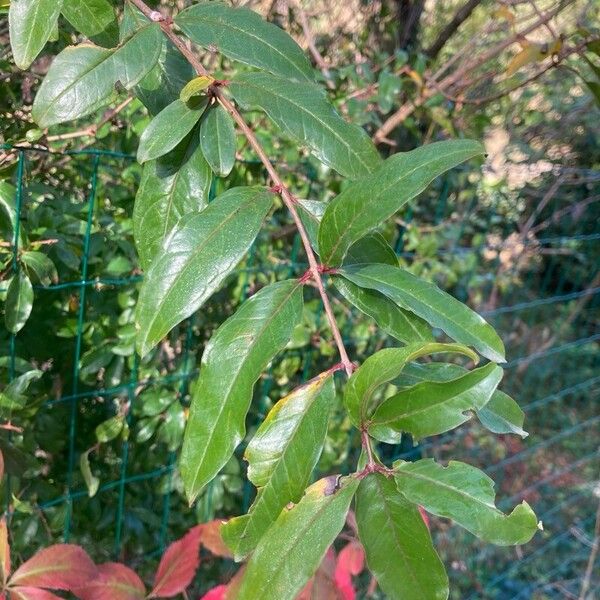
<point x="178" y="565"/>
<point x="8" y="213"/>
<point x="31" y="23"/>
<point x="217" y="140"/>
<point x="433" y="305"/>
<point x="367" y="203"/>
<point x="169" y="128"/>
<point x="114" y="581"/>
<point x="172" y="186"/>
<point x="91" y="481"/>
<point x="52" y="567"/>
<point x="163" y="84"/>
<point x="243" y="35"/>
<point x="4" y="549"/>
<point x="108" y="430"/>
<point x="13" y="397"/>
<point x="466" y="495"/>
<point x="19" y="302"/>
<point x="201" y="250"/>
<point x="290" y="553"/>
<point x="82" y="78"/>
<point x="432" y="407"/>
<point x="232" y="362"/>
<point x="500" y="415"/>
<point x="96" y="19"/>
<point x="399" y="550"/>
<point x="302" y="111"/>
<point x="397" y="322"/>
<point x="281" y="457"/>
<point x="382" y="367"/>
<point x="41" y="265"/>
<point x="373" y="248"/>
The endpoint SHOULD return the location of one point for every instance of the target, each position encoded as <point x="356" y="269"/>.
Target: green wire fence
<point x="549" y="319"/>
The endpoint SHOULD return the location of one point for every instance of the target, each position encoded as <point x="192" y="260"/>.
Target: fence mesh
<point x="541" y="293"/>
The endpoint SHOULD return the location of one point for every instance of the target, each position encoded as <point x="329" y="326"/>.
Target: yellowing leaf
<point x="195" y="86"/>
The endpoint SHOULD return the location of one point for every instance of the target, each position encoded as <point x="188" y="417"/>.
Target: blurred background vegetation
<point x="92" y="456"/>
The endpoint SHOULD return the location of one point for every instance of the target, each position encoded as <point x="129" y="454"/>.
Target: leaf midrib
<point x="302" y="109"/>
<point x="224" y="23"/>
<point x="233" y="381"/>
<point x="382" y="191"/>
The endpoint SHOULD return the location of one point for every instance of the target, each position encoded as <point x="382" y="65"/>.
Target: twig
<point x="279" y="185"/>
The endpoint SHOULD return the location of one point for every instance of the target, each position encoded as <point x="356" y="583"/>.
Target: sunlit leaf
<point x="245" y="36"/>
<point x="367" y="203"/>
<point x="466" y="495"/>
<point x="432" y="407"/>
<point x="217" y="140"/>
<point x="19" y="302"/>
<point x="201" y="250"/>
<point x="290" y="553"/>
<point x="281" y="457"/>
<point x="433" y="305"/>
<point x="302" y="111"/>
<point x="31" y="23"/>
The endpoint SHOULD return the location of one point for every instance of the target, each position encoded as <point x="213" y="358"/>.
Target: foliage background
<point x="518" y="240"/>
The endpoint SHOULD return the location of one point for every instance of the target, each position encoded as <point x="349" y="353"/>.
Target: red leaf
<point x="4" y="552"/>
<point x="32" y="593"/>
<point x="351" y="561"/>
<point x="114" y="582"/>
<point x="217" y="593"/>
<point x="178" y="565"/>
<point x="425" y="517"/>
<point x="352" y="558"/>
<point x="59" y="567"/>
<point x="211" y="539"/>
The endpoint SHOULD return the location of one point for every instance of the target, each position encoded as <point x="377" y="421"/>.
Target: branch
<point x="287" y="197"/>
<point x="434" y="86"/>
<point x="462" y="14"/>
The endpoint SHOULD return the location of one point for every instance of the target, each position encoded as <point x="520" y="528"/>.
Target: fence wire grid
<point x="548" y="320"/>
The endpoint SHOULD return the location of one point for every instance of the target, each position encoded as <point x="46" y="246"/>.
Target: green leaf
<point x="96" y="19"/>
<point x="242" y="35"/>
<point x="397" y="322"/>
<point x="232" y="362"/>
<point x="291" y="551"/>
<point x="108" y="430"/>
<point x="382" y="367"/>
<point x="373" y="248"/>
<point x="169" y="128"/>
<point x="42" y="266"/>
<point x="367" y="203"/>
<point x="433" y="407"/>
<point x="217" y="140"/>
<point x="302" y="111"/>
<point x="163" y="84"/>
<point x="172" y="186"/>
<point x="91" y="481"/>
<point x="82" y="78"/>
<point x="466" y="495"/>
<point x="195" y="87"/>
<point x="281" y="457"/>
<point x="197" y="255"/>
<point x="310" y="212"/>
<point x="13" y="397"/>
<point x="397" y="544"/>
<point x="8" y="213"/>
<point x="500" y="415"/>
<point x="31" y="23"/>
<point x="427" y="301"/>
<point x="19" y="301"/>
